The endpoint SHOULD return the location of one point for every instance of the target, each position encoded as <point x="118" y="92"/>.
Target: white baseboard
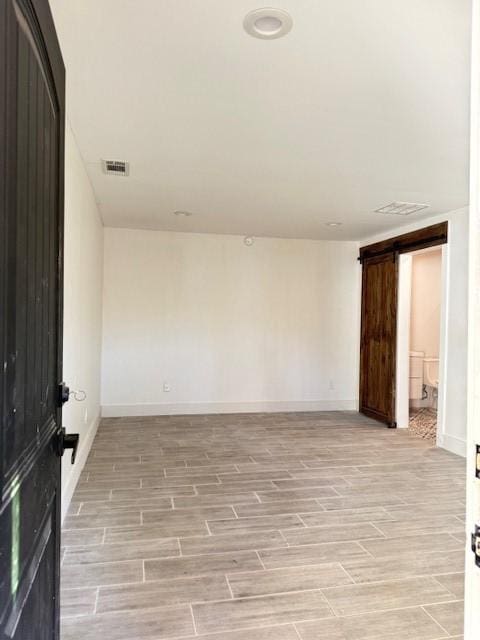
<point x="453" y="444"/>
<point x="192" y="408"/>
<point x="85" y="445"/>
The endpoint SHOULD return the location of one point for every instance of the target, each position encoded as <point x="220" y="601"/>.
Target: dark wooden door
<point x="31" y="256"/>
<point x="378" y="339"/>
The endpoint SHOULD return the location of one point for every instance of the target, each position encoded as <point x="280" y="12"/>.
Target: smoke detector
<point x="401" y="208"/>
<point x="116" y="167"/>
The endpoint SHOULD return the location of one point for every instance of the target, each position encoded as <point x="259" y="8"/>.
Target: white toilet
<point x="424" y="378"/>
<point x="416" y="375"/>
<point x="431" y="372"/>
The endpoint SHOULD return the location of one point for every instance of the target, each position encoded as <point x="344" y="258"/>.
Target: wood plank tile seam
<point x="264" y="527"/>
<point x="429" y="614"/>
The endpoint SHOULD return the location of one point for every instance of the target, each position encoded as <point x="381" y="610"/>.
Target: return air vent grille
<point x="401" y="208"/>
<point x="116" y="167"/>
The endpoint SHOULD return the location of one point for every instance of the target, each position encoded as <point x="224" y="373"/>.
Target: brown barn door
<point x="378" y="346"/>
<point x="31" y="258"/>
<point x="378" y="338"/>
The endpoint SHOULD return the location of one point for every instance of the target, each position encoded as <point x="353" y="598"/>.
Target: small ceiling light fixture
<point x="248" y="240"/>
<point x="185" y="214"/>
<point x="268" y="23"/>
<point x="333" y="224"/>
<point x="401" y="208"/>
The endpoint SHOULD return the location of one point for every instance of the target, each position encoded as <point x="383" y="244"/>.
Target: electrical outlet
<point x="166" y="387"/>
<point x="331" y="386"/>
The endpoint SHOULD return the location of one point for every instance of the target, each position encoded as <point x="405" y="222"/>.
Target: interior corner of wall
<point x="453" y="444"/>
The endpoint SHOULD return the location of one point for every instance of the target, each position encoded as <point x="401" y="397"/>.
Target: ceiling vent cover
<point x="401" y="208"/>
<point x="116" y="167"/>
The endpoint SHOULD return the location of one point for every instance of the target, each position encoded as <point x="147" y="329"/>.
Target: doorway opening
<point x="421" y="339"/>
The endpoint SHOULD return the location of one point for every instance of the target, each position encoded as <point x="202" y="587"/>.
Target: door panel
<point x="472" y="573"/>
<point x="31" y="164"/>
<point x="378" y="338"/>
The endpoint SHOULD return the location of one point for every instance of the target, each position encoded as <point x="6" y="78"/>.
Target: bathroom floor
<point x="423" y="423"/>
<point x="264" y="527"/>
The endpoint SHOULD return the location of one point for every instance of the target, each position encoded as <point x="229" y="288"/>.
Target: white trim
<point x="194" y="408"/>
<point x="443" y="439"/>
<point x="402" y="397"/>
<point x="82" y="454"/>
<point x="359" y="335"/>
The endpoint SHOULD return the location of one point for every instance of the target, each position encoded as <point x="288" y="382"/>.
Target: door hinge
<point x="477" y="462"/>
<point x="476" y="544"/>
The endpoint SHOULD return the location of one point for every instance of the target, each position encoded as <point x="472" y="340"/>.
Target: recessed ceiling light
<point x="248" y="240"/>
<point x="402" y="208"/>
<point x="333" y="224"/>
<point x="182" y="213"/>
<point x="267" y="23"/>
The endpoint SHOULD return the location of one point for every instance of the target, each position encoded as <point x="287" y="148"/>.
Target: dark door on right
<point x="378" y="337"/>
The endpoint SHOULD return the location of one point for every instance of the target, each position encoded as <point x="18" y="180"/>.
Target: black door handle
<point x="67" y="441"/>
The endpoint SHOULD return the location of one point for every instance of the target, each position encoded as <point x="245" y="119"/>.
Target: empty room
<point x="240" y="320"/>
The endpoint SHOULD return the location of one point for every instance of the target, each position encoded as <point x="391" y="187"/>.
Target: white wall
<point x="452" y="431"/>
<point x="229" y="327"/>
<point x="425" y="302"/>
<point x="82" y="310"/>
<point x="456" y="363"/>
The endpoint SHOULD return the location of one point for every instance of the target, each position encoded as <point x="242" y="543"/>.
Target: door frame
<point x="472" y="572"/>
<point x="423" y="238"/>
<point x="403" y="342"/>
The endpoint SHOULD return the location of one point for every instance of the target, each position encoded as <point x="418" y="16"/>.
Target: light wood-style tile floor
<point x="317" y="526"/>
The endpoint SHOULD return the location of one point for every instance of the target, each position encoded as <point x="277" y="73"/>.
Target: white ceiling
<point x="362" y="103"/>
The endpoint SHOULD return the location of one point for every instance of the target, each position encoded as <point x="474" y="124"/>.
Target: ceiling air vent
<point x="116" y="167"/>
<point x="402" y="208"/>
